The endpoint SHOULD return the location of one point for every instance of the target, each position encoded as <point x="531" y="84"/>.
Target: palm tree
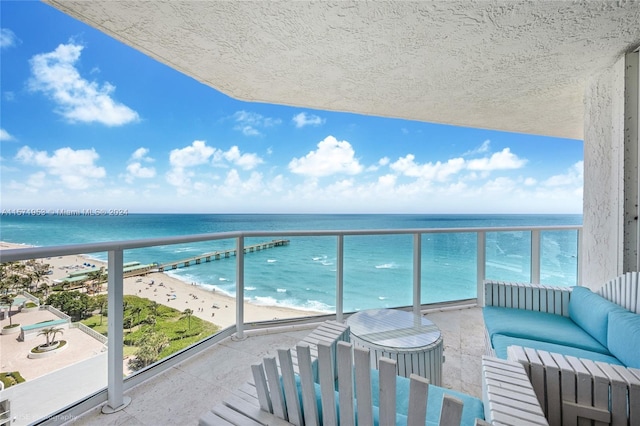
<point x="7" y="299"/>
<point x="50" y="334"/>
<point x="187" y="313"/>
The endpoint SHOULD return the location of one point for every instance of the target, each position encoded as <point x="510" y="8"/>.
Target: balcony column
<point x="240" y="288"/>
<point x="340" y="279"/>
<point x="610" y="200"/>
<point x="116" y="401"/>
<point x="417" y="273"/>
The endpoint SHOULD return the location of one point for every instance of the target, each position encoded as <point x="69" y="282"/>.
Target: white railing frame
<point x="115" y="398"/>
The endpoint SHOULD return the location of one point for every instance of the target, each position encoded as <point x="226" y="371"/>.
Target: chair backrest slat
<point x="344" y="359"/>
<point x="418" y="394"/>
<point x="275" y="390"/>
<point x="363" y="386"/>
<point x="261" y="387"/>
<point x="387" y="389"/>
<point x="451" y="414"/>
<point x="327" y="384"/>
<point x="307" y="385"/>
<point x="294" y="412"/>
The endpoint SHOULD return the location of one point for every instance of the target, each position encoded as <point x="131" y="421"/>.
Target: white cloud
<point x="140" y="154"/>
<point x="135" y="169"/>
<point x="77" y="99"/>
<point x="233" y="155"/>
<point x="5" y="136"/>
<point x="7" y="38"/>
<point x="573" y="177"/>
<point x="195" y="154"/>
<point x="331" y="157"/>
<point x="502" y="160"/>
<point x="76" y="169"/>
<point x="437" y="171"/>
<point x="303" y="119"/>
<point x="249" y="122"/>
<point x="479" y="150"/>
<point x="530" y="181"/>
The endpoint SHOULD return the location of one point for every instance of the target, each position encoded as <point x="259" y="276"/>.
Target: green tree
<point x="7" y="299"/>
<point x="149" y="347"/>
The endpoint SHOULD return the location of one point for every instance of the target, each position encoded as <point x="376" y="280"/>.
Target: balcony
<point x="178" y="389"/>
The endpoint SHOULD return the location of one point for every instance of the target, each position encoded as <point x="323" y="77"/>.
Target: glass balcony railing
<point x="349" y="270"/>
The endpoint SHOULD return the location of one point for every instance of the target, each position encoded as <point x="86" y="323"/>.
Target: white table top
<point x="393" y="328"/>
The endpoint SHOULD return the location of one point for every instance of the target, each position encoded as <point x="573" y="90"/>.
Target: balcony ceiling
<point x="510" y="65"/>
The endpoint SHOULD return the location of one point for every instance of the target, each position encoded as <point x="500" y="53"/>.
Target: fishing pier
<point x="221" y="254"/>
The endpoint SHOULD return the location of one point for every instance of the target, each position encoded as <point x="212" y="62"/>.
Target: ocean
<point x="378" y="270"/>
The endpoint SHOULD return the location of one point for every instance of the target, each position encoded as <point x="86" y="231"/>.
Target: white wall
<point x="603" y="177"/>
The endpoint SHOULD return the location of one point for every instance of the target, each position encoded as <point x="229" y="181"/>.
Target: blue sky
<point x="89" y="123"/>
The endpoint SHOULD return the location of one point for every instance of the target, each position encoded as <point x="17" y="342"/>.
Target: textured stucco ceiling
<point x="508" y="65"/>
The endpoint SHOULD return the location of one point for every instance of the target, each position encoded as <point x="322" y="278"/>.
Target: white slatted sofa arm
<point x="533" y="297"/>
<point x="508" y="395"/>
<point x="569" y="387"/>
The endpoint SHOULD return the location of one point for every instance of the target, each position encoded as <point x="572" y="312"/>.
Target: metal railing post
<point x="417" y="273"/>
<point x="535" y="256"/>
<point x="116" y="401"/>
<point x="481" y="264"/>
<point x="340" y="279"/>
<point x="579" y="258"/>
<point x="240" y="287"/>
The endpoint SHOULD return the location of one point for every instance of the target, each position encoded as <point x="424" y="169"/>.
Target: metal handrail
<point x="115" y="250"/>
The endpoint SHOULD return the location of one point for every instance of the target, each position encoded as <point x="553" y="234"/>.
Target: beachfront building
<point x="561" y="69"/>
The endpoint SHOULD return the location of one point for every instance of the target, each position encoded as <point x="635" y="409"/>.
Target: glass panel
<point x="448" y="267"/>
<point x="559" y="258"/>
<point x="509" y="256"/>
<point x="378" y="271"/>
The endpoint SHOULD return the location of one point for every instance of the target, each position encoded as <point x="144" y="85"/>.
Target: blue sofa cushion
<point x="472" y="407"/>
<point x="624" y="337"/>
<point x="591" y="312"/>
<point x="539" y="326"/>
<point x="401" y="420"/>
<point x="501" y="342"/>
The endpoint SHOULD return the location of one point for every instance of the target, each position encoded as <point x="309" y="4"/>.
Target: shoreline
<point x="212" y="306"/>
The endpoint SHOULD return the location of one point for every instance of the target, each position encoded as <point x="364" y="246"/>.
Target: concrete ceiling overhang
<point x="509" y="65"/>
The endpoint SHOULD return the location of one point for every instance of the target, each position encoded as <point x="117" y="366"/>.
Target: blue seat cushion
<point x="501" y="342"/>
<point x="540" y="326"/>
<point x="624" y="337"/>
<point x="591" y="312"/>
<point x="472" y="407"/>
<point x="401" y="420"/>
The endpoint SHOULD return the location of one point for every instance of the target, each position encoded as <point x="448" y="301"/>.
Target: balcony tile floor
<point x="180" y="395"/>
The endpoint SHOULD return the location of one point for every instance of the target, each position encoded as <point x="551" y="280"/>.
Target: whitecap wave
<point x="223" y="279"/>
<point x="272" y="260"/>
<point x="250" y="288"/>
<point x="316" y="258"/>
<point x="281" y="290"/>
<point x="386" y="266"/>
<point x="382" y="297"/>
<point x="326" y="263"/>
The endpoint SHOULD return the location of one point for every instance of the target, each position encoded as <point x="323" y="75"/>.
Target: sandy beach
<point x="164" y="289"/>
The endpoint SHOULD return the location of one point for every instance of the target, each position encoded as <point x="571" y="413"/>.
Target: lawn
<point x="142" y="316"/>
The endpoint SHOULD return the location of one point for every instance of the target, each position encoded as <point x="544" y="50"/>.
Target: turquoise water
<point x="377" y="269"/>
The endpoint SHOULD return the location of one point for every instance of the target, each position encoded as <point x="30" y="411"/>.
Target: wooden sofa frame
<point x="573" y="390"/>
<point x="272" y="397"/>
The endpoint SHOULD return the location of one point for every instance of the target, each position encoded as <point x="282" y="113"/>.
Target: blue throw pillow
<point x="624" y="337"/>
<point x="591" y="312"/>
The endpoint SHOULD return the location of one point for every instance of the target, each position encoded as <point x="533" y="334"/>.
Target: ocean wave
<point x="382" y="297"/>
<point x="223" y="279"/>
<point x="326" y="263"/>
<point x="316" y="258"/>
<point x="281" y="290"/>
<point x="387" y="266"/>
<point x="309" y="305"/>
<point x="271" y="260"/>
<point x="250" y="288"/>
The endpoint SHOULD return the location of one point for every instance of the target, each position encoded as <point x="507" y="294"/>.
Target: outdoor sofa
<point x="581" y="349"/>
